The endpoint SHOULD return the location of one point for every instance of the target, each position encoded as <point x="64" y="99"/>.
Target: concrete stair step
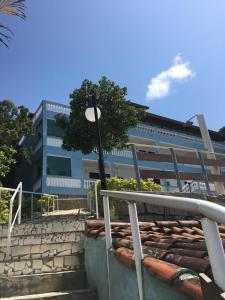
<point x="67" y="295"/>
<point x="42" y="283"/>
<point x="39" y="265"/>
<point x="41" y="250"/>
<point x="53" y="226"/>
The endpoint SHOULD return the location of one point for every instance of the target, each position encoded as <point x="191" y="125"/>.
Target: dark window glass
<point x="60" y="166"/>
<point x="156" y="180"/>
<point x="38" y="133"/>
<point x="38" y="169"/>
<point x="53" y="130"/>
<point x="93" y="175"/>
<point x="143" y="151"/>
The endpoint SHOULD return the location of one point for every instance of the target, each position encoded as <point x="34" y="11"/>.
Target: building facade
<point x="57" y="171"/>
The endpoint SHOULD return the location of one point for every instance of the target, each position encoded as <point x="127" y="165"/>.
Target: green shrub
<point x="4" y="206"/>
<point x="119" y="184"/>
<point x="45" y="203"/>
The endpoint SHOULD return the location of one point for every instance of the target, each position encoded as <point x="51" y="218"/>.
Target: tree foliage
<point x="14" y="8"/>
<point x="4" y="206"/>
<point x="117" y="116"/>
<point x="222" y="130"/>
<point x="15" y="122"/>
<point x="6" y="160"/>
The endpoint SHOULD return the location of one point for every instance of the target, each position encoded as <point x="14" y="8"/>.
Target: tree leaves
<point x="6" y="159"/>
<point x="15" y="123"/>
<point x="15" y="8"/>
<point x="117" y="116"/>
<point x="10" y="7"/>
<point x="222" y="130"/>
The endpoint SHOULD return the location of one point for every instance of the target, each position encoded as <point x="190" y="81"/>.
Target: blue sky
<point x="131" y="42"/>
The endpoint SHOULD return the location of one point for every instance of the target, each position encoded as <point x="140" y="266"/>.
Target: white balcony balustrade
<point x="122" y="153"/>
<point x="63" y="182"/>
<point x="58" y="108"/>
<point x="54" y="141"/>
<point x="88" y="183"/>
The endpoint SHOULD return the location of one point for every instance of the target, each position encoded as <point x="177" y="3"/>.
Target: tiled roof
<point x="175" y="251"/>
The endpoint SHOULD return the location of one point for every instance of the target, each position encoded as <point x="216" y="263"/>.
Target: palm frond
<point x="13" y="7"/>
<point x="10" y="7"/>
<point x="5" y="35"/>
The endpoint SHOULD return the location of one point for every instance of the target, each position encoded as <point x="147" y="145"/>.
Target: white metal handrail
<point x="11" y="222"/>
<point x="212" y="213"/>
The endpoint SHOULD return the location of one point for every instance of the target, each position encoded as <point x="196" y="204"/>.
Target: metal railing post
<point x="9" y="230"/>
<point x="107" y="222"/>
<point x="31" y="207"/>
<point x="138" y="254"/>
<point x="20" y="202"/>
<point x="174" y="159"/>
<point x="108" y="238"/>
<point x="96" y="201"/>
<point x="57" y="197"/>
<point x="215" y="250"/>
<point x="204" y="171"/>
<point x="136" y="168"/>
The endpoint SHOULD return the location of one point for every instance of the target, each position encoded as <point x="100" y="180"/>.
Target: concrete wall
<point x="123" y="283"/>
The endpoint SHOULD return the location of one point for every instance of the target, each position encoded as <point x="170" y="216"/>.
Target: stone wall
<point x="43" y="247"/>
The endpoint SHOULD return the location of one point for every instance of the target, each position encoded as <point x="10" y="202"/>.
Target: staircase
<point x="46" y="261"/>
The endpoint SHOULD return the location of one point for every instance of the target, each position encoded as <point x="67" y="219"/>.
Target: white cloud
<point x="160" y="85"/>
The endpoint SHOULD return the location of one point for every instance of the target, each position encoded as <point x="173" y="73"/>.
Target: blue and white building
<point x="57" y="171"/>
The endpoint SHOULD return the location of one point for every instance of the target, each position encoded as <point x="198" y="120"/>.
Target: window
<point x="38" y="133"/>
<point x="93" y="175"/>
<point x="140" y="150"/>
<point x="60" y="166"/>
<point x="38" y="169"/>
<point x="53" y="130"/>
<point x="156" y="180"/>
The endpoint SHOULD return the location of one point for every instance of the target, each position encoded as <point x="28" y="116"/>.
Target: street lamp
<point x="219" y="186"/>
<point x="92" y="114"/>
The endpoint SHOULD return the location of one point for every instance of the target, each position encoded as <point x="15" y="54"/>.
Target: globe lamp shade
<point x="90" y="114"/>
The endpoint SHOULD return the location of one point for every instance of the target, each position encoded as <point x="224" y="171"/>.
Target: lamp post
<point x="92" y="114"/>
<point x="219" y="186"/>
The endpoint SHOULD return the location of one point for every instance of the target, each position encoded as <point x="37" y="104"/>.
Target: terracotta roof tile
<point x="125" y="256"/>
<point x="171" y="248"/>
<point x="172" y="275"/>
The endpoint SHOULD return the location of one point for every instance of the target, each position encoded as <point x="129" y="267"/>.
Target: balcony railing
<point x="122" y="153"/>
<point x="88" y="183"/>
<point x="54" y="141"/>
<point x="58" y="108"/>
<point x="63" y="182"/>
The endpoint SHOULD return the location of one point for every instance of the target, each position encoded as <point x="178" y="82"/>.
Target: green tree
<point x="10" y="7"/>
<point x="15" y="123"/>
<point x="222" y="130"/>
<point x="6" y="160"/>
<point x="117" y="116"/>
